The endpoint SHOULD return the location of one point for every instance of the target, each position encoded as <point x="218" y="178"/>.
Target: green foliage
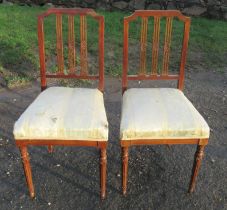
<point x="19" y="61"/>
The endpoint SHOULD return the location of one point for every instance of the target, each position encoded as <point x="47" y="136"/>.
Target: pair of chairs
<point x="76" y="116"/>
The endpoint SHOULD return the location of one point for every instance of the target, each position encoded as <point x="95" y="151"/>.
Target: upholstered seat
<point x="160" y="113"/>
<point x="62" y="113"/>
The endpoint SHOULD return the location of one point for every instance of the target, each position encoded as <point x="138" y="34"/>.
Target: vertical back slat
<point x="60" y="58"/>
<point x="71" y="45"/>
<point x="155" y="45"/>
<point x="83" y="47"/>
<point x="143" y="46"/>
<point x="125" y="56"/>
<point x="101" y="54"/>
<point x="42" y="53"/>
<point x="167" y="44"/>
<point x="184" y="53"/>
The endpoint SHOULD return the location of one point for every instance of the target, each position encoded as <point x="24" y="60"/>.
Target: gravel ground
<point x="158" y="175"/>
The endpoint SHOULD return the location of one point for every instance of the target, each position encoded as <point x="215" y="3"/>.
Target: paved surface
<point x="158" y="176"/>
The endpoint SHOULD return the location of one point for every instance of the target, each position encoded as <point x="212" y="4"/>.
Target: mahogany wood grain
<point x="155" y="75"/>
<point x="83" y="45"/>
<point x="60" y="57"/>
<point x="73" y="76"/>
<point x="22" y="144"/>
<point x="103" y="162"/>
<point x="70" y="72"/>
<point x="50" y="149"/>
<point x="124" y="169"/>
<point x="164" y="74"/>
<point x="101" y="53"/>
<point x="184" y="54"/>
<point x="61" y="142"/>
<point x="71" y="45"/>
<point x="155" y="46"/>
<point x="143" y="46"/>
<point x="42" y="53"/>
<point x="163" y="141"/>
<point x="166" y="50"/>
<point x="62" y="73"/>
<point x="27" y="170"/>
<point x="197" y="163"/>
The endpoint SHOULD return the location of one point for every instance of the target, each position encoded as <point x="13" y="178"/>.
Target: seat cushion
<point x="160" y="113"/>
<point x="63" y="113"/>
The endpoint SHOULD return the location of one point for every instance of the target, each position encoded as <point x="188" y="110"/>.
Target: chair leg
<point x="124" y="169"/>
<point x="197" y="163"/>
<point x="169" y="146"/>
<point x="50" y="148"/>
<point x="27" y="170"/>
<point x="103" y="162"/>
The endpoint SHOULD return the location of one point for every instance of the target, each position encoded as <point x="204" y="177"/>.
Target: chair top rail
<point x="71" y="11"/>
<point x="157" y="13"/>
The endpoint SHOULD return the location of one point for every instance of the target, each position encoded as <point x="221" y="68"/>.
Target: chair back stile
<point x="153" y="74"/>
<point x="71" y="72"/>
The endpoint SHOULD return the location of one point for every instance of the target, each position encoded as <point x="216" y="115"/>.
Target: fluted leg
<point x="103" y="162"/>
<point x="124" y="169"/>
<point x="27" y="170"/>
<point x="197" y="163"/>
<point x="50" y="148"/>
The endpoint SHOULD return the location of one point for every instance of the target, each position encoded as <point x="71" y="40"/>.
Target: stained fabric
<point x="160" y="113"/>
<point x="63" y="113"/>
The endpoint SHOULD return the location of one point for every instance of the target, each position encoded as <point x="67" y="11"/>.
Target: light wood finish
<point x="164" y="75"/>
<point x="50" y="143"/>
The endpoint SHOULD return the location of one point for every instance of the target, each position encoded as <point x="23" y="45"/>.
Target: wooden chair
<point x="154" y="116"/>
<point x="62" y="116"/>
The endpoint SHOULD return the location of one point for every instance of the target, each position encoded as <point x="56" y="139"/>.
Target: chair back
<point x="67" y="68"/>
<point x="157" y="71"/>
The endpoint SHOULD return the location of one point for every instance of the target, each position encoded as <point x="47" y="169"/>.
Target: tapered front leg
<point x="27" y="170"/>
<point x="50" y="148"/>
<point x="197" y="163"/>
<point x="103" y="162"/>
<point x="124" y="169"/>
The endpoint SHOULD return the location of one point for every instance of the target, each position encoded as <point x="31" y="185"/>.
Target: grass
<point x="19" y="62"/>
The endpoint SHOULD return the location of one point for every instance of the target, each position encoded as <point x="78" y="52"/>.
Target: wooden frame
<point x="72" y="71"/>
<point x="157" y="14"/>
<point x="154" y="75"/>
<point x="100" y="144"/>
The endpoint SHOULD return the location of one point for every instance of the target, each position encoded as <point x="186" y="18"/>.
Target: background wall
<point x="209" y="8"/>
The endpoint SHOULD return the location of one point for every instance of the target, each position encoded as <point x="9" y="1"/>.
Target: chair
<point x="62" y="116"/>
<point x="152" y="116"/>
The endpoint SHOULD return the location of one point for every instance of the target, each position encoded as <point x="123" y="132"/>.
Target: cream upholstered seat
<point x="62" y="113"/>
<point x="160" y="113"/>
